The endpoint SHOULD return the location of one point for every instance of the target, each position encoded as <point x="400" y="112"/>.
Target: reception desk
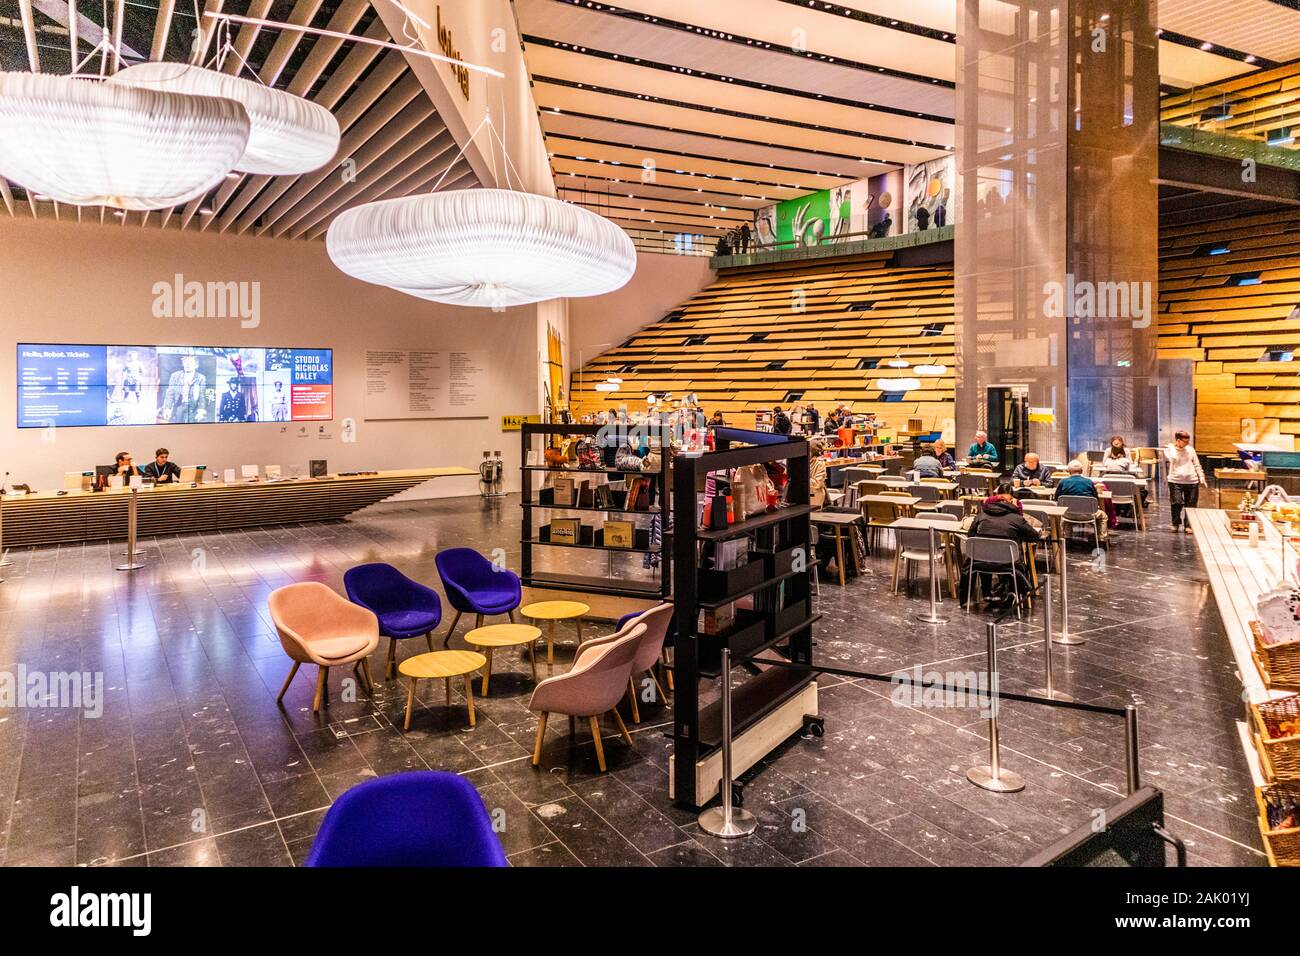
<point x="50" y="518"/>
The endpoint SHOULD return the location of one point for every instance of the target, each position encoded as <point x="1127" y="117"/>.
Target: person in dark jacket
<point x="1001" y="516"/>
<point x="744" y="238"/>
<point x="1032" y="472"/>
<point x="780" y="421"/>
<point x="1077" y="484"/>
<point x="943" y="454"/>
<point x="927" y="466"/>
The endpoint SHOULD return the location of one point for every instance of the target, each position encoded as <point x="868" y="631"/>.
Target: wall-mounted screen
<point x="70" y="385"/>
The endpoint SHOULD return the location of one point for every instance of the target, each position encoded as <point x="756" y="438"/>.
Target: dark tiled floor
<point x="192" y="763"/>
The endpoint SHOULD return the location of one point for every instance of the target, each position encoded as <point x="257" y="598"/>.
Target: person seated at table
<point x="943" y="454"/>
<point x="1001" y="517"/>
<point x="161" y="470"/>
<point x="717" y="421"/>
<point x="981" y="451"/>
<point x="1117" y="460"/>
<point x="927" y="466"/>
<point x="124" y="467"/>
<point x="1032" y="472"/>
<point x="1079" y="484"/>
<point x="834" y="420"/>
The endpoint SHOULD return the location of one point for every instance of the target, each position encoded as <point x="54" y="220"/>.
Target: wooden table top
<point x="905" y="500"/>
<point x="438" y="664"/>
<point x="503" y="635"/>
<point x="834" y="517"/>
<point x="555" y="610"/>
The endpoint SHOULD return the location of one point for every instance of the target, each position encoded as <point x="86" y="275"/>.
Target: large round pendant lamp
<point x="289" y="134"/>
<point x="88" y="143"/>
<point x="482" y="247"/>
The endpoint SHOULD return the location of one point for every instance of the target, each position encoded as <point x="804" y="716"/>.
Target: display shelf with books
<point x="565" y="484"/>
<point x="744" y="582"/>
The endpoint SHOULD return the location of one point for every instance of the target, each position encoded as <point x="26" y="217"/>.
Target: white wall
<point x="90" y="284"/>
<point x="661" y="284"/>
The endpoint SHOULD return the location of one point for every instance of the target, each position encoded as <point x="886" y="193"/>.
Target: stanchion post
<point x="933" y="617"/>
<point x="1049" y="691"/>
<point x="726" y="821"/>
<point x="1065" y="637"/>
<point x="1131" y="747"/>
<point x="132" y="562"/>
<point x="4" y="555"/>
<point x="993" y="777"/>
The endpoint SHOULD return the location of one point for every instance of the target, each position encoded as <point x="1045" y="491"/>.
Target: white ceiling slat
<point x="259" y="190"/>
<point x="385" y="108"/>
<point x="207" y="27"/>
<point x="1260" y="27"/>
<point x="287" y="42"/>
<point x="29" y="35"/>
<point x="162" y="26"/>
<point x="8" y="195"/>
<point x="367" y="153"/>
<point x="242" y="45"/>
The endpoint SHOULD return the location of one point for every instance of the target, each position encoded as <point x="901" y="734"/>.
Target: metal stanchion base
<point x="1069" y="640"/>
<point x="743" y="823"/>
<point x="1054" y="695"/>
<point x="932" y="619"/>
<point x="1005" y="782"/>
<point x="131" y="566"/>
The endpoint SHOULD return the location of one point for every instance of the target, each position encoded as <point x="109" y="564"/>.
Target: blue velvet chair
<point x="475" y="586"/>
<point x="405" y="608"/>
<point x="418" y="818"/>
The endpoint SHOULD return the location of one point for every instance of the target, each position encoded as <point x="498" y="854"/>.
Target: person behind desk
<point x="927" y="466"/>
<point x="982" y="451"/>
<point x="124" y="467"/>
<point x="943" y="454"/>
<point x="1080" y="485"/>
<point x="161" y="470"/>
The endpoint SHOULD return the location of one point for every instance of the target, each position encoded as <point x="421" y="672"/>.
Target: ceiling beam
<point x="29" y="35"/>
<point x="162" y="26"/>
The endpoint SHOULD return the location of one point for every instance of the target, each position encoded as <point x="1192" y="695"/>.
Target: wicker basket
<point x="1280" y="756"/>
<point x="1279" y="664"/>
<point x="1282" y="846"/>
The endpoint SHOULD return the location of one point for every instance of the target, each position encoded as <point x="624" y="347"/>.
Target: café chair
<point x="593" y="687"/>
<point x="425" y="818"/>
<point x="658" y="621"/>
<point x="318" y="626"/>
<point x="1124" y="492"/>
<point x="405" y="608"/>
<point x="996" y="557"/>
<point x="1083" y="510"/>
<point x="474" y="585"/>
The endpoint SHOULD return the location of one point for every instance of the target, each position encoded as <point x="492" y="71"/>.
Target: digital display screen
<point x="87" y="385"/>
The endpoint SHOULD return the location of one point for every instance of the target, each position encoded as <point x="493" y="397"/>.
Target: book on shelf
<point x="564" y="489"/>
<point x="619" y="534"/>
<point x="564" y="530"/>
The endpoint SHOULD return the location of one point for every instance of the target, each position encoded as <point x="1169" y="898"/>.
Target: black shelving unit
<point x="788" y="623"/>
<point x="531" y="536"/>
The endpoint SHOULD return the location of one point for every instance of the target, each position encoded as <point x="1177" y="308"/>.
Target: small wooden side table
<point x="441" y="665"/>
<point x="553" y="612"/>
<point x="503" y="635"/>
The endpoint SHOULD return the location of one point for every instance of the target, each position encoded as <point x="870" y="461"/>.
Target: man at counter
<point x="123" y="467"/>
<point x="161" y="470"/>
<point x="981" y="451"/>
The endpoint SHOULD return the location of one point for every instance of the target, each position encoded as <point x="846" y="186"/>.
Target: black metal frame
<point x="1132" y="834"/>
<point x="697" y="732"/>
<point x="595" y="585"/>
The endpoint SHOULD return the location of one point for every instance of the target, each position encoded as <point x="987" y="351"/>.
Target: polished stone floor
<point x="192" y="762"/>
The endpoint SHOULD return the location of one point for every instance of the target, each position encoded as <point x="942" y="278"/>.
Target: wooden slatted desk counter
<point x="50" y="518"/>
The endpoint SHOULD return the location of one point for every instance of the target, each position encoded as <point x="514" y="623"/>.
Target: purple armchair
<point x="405" y="608"/>
<point x="474" y="585"/>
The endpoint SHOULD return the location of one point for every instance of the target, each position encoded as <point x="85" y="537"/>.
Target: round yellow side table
<point x="553" y="612"/>
<point x="503" y="635"/>
<point x="441" y="665"/>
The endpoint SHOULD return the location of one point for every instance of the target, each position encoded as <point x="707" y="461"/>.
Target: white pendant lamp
<point x="289" y="134"/>
<point x="88" y="143"/>
<point x="482" y="247"/>
<point x="607" y="386"/>
<point x="930" y="369"/>
<point x="897" y="384"/>
<point x="898" y="362"/>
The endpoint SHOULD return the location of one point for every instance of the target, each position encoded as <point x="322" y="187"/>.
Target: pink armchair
<point x="318" y="626"/>
<point x="594" y="686"/>
<point x="649" y="651"/>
